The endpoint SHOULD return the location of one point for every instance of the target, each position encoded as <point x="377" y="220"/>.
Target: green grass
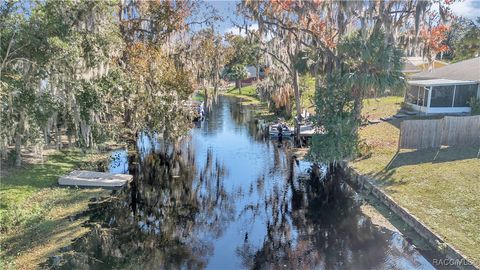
<point x="249" y="90"/>
<point x="381" y="107"/>
<point x="34" y="211"/>
<point x="199" y="96"/>
<point x="248" y="94"/>
<point x="249" y="97"/>
<point x="440" y="187"/>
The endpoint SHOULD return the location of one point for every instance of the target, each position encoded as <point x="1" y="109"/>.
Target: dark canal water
<point x="229" y="199"/>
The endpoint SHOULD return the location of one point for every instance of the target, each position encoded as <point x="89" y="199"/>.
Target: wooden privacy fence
<point x="450" y="131"/>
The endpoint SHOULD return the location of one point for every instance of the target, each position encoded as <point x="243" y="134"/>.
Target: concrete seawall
<point x="364" y="184"/>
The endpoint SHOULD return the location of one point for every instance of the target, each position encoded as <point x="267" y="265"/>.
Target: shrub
<point x="475" y="105"/>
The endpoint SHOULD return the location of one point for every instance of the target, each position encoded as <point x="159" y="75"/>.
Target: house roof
<point x="438" y="82"/>
<point x="408" y="66"/>
<point x="467" y="70"/>
<point x="418" y="61"/>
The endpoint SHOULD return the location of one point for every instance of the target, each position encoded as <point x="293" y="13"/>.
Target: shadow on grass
<point x="43" y="233"/>
<point x="432" y="156"/>
<point x="43" y="175"/>
<point x="385" y="178"/>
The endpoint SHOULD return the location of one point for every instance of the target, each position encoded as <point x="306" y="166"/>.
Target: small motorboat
<point x="196" y="108"/>
<point x="286" y="131"/>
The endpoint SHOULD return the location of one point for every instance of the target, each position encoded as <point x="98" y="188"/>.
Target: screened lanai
<point x="441" y="95"/>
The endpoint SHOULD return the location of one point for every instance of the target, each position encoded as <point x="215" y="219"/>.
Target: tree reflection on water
<point x="166" y="218"/>
<point x="211" y="203"/>
<point x="316" y="226"/>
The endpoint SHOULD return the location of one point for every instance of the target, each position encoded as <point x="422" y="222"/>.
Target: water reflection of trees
<point x="304" y="232"/>
<point x="165" y="220"/>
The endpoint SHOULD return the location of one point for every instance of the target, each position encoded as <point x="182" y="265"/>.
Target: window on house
<point x="442" y="96"/>
<point x="464" y="93"/>
<point x="412" y="94"/>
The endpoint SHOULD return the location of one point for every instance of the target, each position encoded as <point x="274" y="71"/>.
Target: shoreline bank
<point x="364" y="185"/>
<point x="38" y="216"/>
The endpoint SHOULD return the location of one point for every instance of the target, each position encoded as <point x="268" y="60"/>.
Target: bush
<point x="475" y="105"/>
<point x="364" y="150"/>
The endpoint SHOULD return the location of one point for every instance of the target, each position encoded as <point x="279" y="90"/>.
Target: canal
<point x="226" y="198"/>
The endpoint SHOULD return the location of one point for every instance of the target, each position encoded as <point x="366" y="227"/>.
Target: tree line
<point x="87" y="72"/>
<point x="353" y="49"/>
<point x="91" y="71"/>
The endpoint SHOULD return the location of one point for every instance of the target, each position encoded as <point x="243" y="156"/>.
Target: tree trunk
<point x="69" y="136"/>
<point x="357" y="110"/>
<point x="215" y="84"/>
<point x="67" y="132"/>
<point x="297" y="105"/>
<point x="258" y="70"/>
<point x="59" y="137"/>
<point x="18" y="150"/>
<point x="237" y="84"/>
<point x="205" y="100"/>
<point x="18" y="141"/>
<point x="296" y="89"/>
<point x="126" y="112"/>
<point x="45" y="136"/>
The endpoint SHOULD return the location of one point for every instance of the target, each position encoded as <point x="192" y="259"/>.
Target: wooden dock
<point x="305" y="134"/>
<point x="95" y="179"/>
<point x="306" y="131"/>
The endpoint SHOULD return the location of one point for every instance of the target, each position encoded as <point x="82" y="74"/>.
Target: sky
<point x="469" y="9"/>
<point x="227" y="9"/>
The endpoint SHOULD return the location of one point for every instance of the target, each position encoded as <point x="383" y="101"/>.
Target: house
<point x="252" y="75"/>
<point x="414" y="64"/>
<point x="252" y="72"/>
<point x="409" y="68"/>
<point x="448" y="89"/>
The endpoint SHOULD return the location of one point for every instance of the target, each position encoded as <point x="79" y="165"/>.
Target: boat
<point x="273" y="130"/>
<point x="196" y="108"/>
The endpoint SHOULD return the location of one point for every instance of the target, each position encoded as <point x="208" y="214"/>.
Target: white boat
<point x="273" y="131"/>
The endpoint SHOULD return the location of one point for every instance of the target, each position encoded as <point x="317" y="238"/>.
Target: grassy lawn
<point x="440" y="187"/>
<point x="34" y="211"/>
<point x="249" y="97"/>
<point x="199" y="96"/>
<point x="381" y="107"/>
<point x="247" y="93"/>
